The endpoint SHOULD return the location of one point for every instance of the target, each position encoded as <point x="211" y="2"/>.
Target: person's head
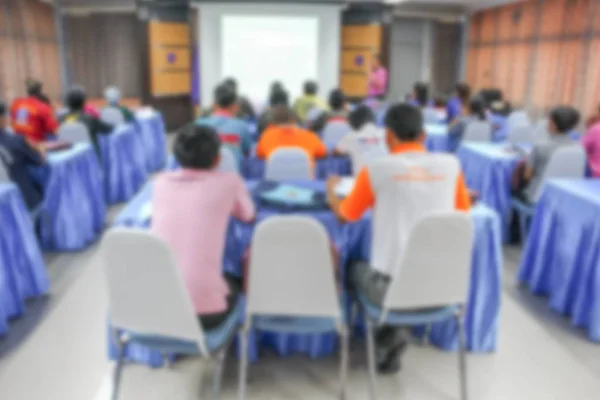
<point x="282" y="115"/>
<point x="34" y="87"/>
<point x="563" y="119"/>
<point x="232" y="83"/>
<point x="197" y="147"/>
<point x="403" y="123"/>
<point x="279" y="98"/>
<point x="2" y="115"/>
<point x="477" y="107"/>
<point x="421" y="93"/>
<point x="75" y="98"/>
<point x="463" y="91"/>
<point x="361" y="116"/>
<point x="337" y="100"/>
<point x="225" y="98"/>
<point x="112" y="94"/>
<point x="376" y="60"/>
<point x="310" y="88"/>
<point x="276" y="86"/>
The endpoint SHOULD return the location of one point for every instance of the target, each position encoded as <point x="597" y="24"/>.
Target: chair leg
<point x="243" y="372"/>
<point x="118" y="371"/>
<point x="344" y="359"/>
<point x="218" y="377"/>
<point x="462" y="357"/>
<point x="371" y="358"/>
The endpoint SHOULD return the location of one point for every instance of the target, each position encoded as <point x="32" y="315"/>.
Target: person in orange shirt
<point x="32" y="117"/>
<point x="284" y="132"/>
<point x="401" y="188"/>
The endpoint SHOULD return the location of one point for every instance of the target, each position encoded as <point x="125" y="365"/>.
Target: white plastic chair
<point x="521" y="134"/>
<point x="334" y="132"/>
<point x="431" y="116"/>
<point x="541" y="133"/>
<point x="478" y="131"/>
<point x="290" y="163"/>
<point x="518" y="117"/>
<point x="112" y="116"/>
<point x="4" y="176"/>
<point x="292" y="286"/>
<point x="74" y="132"/>
<point x="228" y="162"/>
<point x="433" y="275"/>
<point x="149" y="303"/>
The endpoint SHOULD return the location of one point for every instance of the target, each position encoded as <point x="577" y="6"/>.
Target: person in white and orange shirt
<point x="401" y="187"/>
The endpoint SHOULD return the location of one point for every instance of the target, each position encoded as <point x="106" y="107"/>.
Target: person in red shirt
<point x="31" y="117"/>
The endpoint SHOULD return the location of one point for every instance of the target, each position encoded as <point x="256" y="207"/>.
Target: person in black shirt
<point x="17" y="156"/>
<point x="75" y="102"/>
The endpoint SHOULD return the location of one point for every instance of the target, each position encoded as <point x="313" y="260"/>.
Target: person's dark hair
<point x="565" y="118"/>
<point x="225" y="96"/>
<point x="232" y="83"/>
<point x="477" y="107"/>
<point x="197" y="147"/>
<point x="337" y="100"/>
<point x="311" y="88"/>
<point x="361" y="116"/>
<point x="463" y="91"/>
<point x="405" y="121"/>
<point x="282" y="115"/>
<point x="279" y="98"/>
<point x="276" y="86"/>
<point x="75" y="98"/>
<point x="2" y="109"/>
<point x="422" y="93"/>
<point x="34" y="87"/>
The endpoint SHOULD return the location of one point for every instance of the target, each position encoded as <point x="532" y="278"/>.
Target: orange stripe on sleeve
<point x="360" y="199"/>
<point x="463" y="200"/>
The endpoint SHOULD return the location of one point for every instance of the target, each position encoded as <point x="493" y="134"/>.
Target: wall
<point x="540" y="52"/>
<point x="28" y="48"/>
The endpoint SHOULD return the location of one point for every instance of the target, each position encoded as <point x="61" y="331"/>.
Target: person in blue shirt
<point x="17" y="157"/>
<point x="233" y="132"/>
<point x="456" y="131"/>
<point x="420" y="95"/>
<point x="456" y="102"/>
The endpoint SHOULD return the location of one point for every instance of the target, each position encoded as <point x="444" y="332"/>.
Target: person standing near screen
<point x="378" y="79"/>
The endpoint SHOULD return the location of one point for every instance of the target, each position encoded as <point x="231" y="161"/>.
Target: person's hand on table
<point x="332" y="182"/>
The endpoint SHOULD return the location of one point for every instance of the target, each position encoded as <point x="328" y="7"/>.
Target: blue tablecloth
<point x="74" y="203"/>
<point x="22" y="270"/>
<point x="123" y="163"/>
<point x="437" y="137"/>
<point x="154" y="139"/>
<point x="562" y="254"/>
<point x="352" y="241"/>
<point x="254" y="168"/>
<point x="488" y="168"/>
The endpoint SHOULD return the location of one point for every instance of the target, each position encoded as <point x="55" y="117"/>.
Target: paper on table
<point x="345" y="186"/>
<point x="146" y="211"/>
<point x="288" y="194"/>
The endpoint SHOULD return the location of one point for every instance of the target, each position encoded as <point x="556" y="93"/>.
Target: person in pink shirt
<point x="591" y="143"/>
<point x="191" y="208"/>
<point x="378" y="79"/>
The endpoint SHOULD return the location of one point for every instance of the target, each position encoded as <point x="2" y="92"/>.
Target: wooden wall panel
<point x="367" y="36"/>
<point x="170" y="58"/>
<point x="353" y="85"/>
<point x="578" y="12"/>
<point x="488" y="28"/>
<point x="359" y="44"/>
<point x="591" y="95"/>
<point x="507" y="23"/>
<point x="553" y="17"/>
<point x="526" y="27"/>
<point x="471" y="73"/>
<point x="475" y="28"/>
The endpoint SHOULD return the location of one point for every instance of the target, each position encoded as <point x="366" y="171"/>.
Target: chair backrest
<point x="334" y="132"/>
<point x="518" y="117"/>
<point x="521" y="134"/>
<point x="146" y="291"/>
<point x="313" y="114"/>
<point x="566" y="162"/>
<point x="74" y="132"/>
<point x="431" y="116"/>
<point x="435" y="269"/>
<point x="228" y="162"/>
<point x="112" y="116"/>
<point x="541" y="133"/>
<point x="291" y="269"/>
<point x="288" y="163"/>
<point x="478" y="131"/>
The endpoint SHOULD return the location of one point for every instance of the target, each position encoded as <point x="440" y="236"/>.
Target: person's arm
<point x="33" y="155"/>
<point x="320" y="150"/>
<point x="127" y="114"/>
<point x="342" y="148"/>
<point x="243" y="208"/>
<point x="358" y="201"/>
<point x="101" y="127"/>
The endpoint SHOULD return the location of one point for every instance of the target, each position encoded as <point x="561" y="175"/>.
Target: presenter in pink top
<point x="378" y="79"/>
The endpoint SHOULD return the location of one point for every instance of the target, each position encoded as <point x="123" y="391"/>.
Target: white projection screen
<point x="259" y="43"/>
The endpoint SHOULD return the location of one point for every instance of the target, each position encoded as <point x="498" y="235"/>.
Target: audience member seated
<point x="75" y="102"/>
<point x="32" y="117"/>
<point x="39" y="92"/>
<point x="366" y="142"/>
<point x="475" y="112"/>
<point x="458" y="101"/>
<point x="420" y="96"/>
<point x="18" y="156"/>
<point x="284" y="132"/>
<point x="278" y="97"/>
<point x="245" y="109"/>
<point x="398" y="206"/>
<point x="233" y="133"/>
<point x="528" y="176"/>
<point x="112" y="95"/>
<point x="190" y="211"/>
<point x="308" y="101"/>
<point x="591" y="143"/>
<point x="594" y="119"/>
<point x="338" y="111"/>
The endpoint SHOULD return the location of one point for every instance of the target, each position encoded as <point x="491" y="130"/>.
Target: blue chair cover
<point x="353" y="243"/>
<point x="22" y="270"/>
<point x="154" y="139"/>
<point x="254" y="168"/>
<point x="562" y="254"/>
<point x="124" y="163"/>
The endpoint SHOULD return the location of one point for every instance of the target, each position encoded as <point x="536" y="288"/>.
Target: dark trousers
<point x="212" y="321"/>
<point x="518" y="185"/>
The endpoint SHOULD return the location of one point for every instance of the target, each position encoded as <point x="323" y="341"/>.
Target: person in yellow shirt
<point x="308" y="101"/>
<point x="283" y="132"/>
